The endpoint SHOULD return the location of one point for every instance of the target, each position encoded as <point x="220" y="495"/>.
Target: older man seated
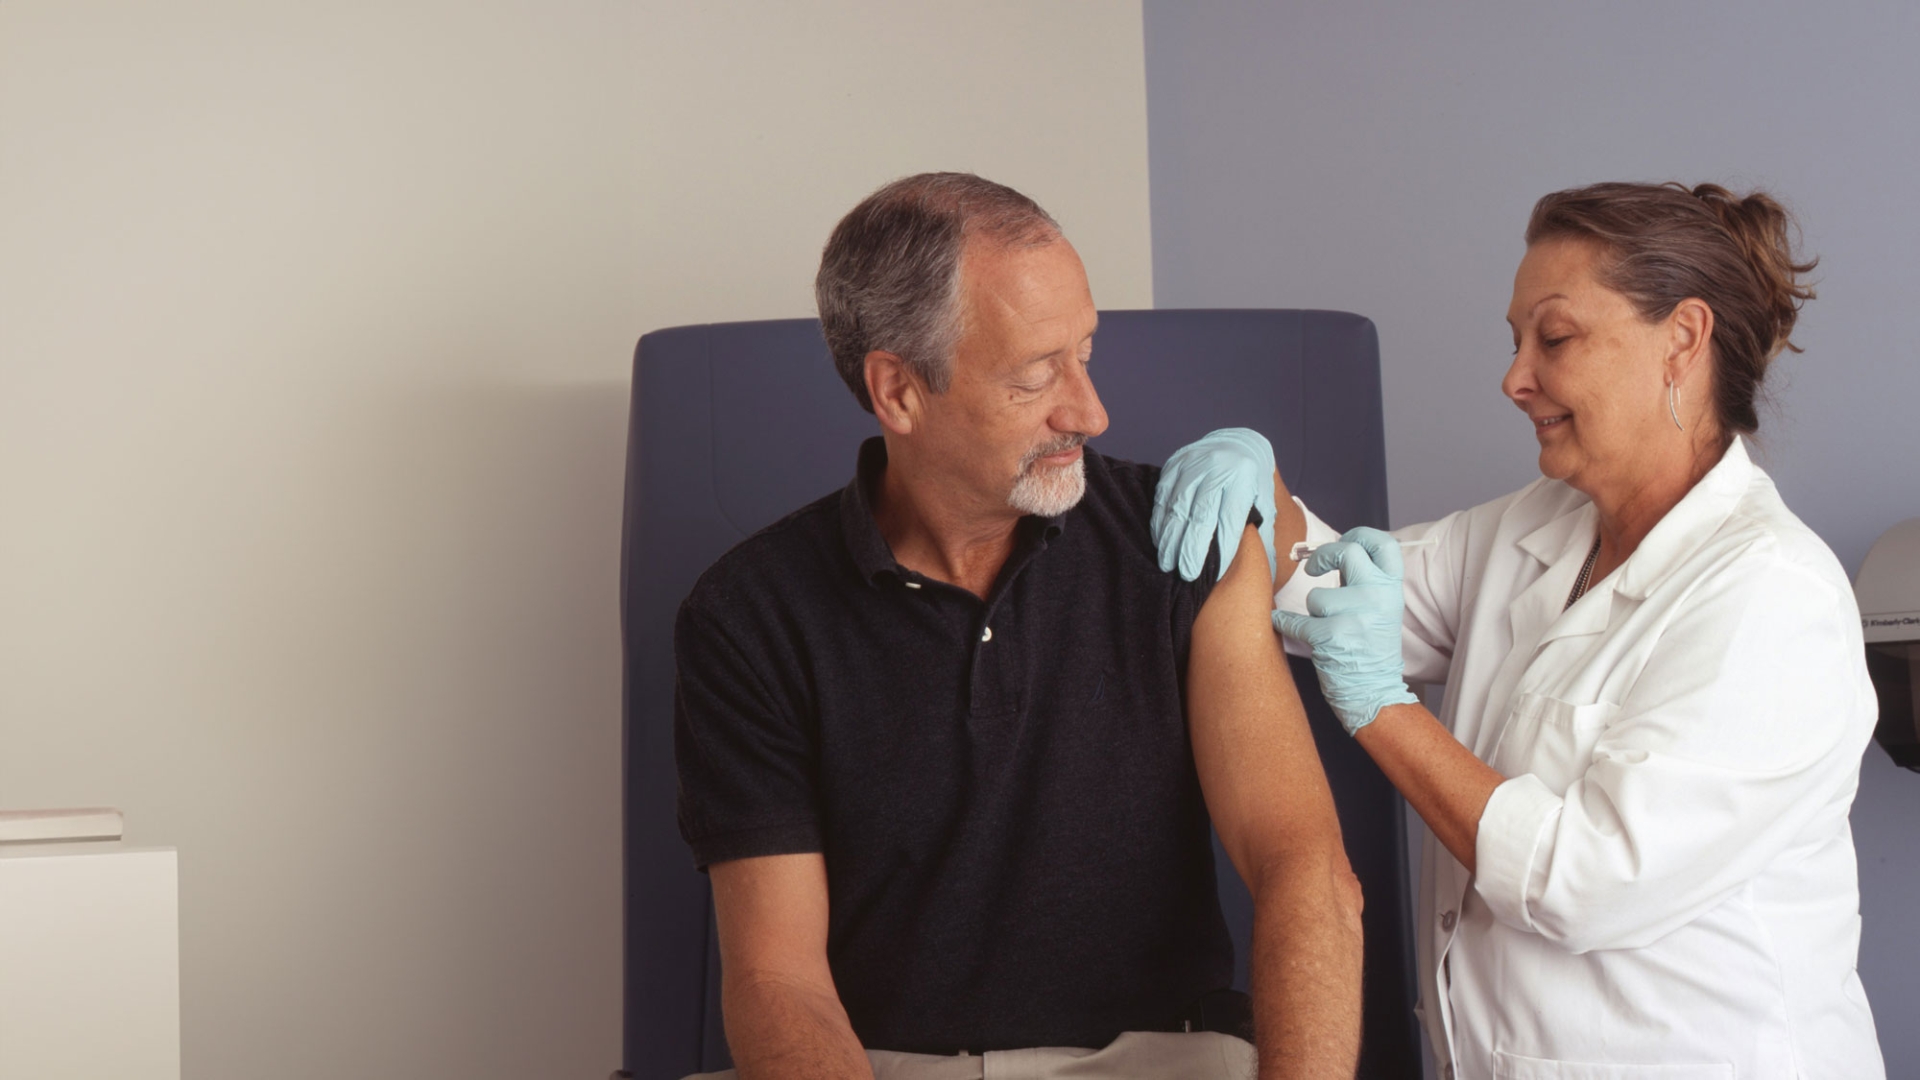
<point x="949" y="741"/>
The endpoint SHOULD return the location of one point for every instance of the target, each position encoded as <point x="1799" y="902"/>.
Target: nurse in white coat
<point x="1656" y="699"/>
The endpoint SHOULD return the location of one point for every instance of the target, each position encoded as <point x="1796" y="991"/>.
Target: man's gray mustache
<point x="1057" y="446"/>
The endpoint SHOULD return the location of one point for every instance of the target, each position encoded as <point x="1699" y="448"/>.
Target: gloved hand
<point x="1205" y="491"/>
<point x="1354" y="630"/>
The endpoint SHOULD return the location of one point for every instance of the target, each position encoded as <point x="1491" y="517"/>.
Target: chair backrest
<point x="734" y="425"/>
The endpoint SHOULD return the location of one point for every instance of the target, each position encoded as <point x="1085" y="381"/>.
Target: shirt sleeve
<point x="746" y="763"/>
<point x="1744" y="729"/>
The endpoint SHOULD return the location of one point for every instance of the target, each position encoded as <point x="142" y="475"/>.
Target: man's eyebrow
<point x="1055" y="354"/>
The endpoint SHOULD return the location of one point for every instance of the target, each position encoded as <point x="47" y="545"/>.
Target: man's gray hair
<point x="890" y="275"/>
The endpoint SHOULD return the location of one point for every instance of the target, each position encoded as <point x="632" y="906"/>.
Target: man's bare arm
<point x="784" y="1017"/>
<point x="1289" y="528"/>
<point x="1270" y="802"/>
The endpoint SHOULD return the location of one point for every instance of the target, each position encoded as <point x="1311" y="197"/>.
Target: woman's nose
<point x="1518" y="384"/>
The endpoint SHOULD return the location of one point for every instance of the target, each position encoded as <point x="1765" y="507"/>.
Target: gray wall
<point x="1382" y="158"/>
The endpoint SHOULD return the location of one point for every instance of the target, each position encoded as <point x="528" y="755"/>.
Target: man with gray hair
<point x="950" y="742"/>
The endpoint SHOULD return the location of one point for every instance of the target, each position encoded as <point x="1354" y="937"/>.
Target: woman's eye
<point x="1552" y="342"/>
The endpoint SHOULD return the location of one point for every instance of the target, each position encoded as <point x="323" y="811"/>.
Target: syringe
<point x="1301" y="550"/>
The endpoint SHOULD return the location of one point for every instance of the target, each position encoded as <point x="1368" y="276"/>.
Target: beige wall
<point x="315" y="324"/>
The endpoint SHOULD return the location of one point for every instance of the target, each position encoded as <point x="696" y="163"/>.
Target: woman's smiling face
<point x="1588" y="371"/>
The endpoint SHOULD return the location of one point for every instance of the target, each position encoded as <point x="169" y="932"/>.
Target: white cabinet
<point x="89" y="962"/>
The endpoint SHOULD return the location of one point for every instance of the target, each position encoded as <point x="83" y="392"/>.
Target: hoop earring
<point x="1671" y="410"/>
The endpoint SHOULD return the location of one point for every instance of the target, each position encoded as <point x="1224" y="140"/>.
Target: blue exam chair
<point x="734" y="425"/>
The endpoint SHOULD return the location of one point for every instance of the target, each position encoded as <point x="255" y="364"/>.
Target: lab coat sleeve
<point x="1745" y="727"/>
<point x="1432" y="585"/>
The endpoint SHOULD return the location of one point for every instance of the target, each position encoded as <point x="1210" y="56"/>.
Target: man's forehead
<point x="1037" y="284"/>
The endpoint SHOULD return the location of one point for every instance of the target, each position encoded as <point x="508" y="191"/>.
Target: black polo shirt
<point x="1016" y="846"/>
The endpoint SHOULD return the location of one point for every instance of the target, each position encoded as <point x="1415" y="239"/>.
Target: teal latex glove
<point x="1354" y="630"/>
<point x="1205" y="493"/>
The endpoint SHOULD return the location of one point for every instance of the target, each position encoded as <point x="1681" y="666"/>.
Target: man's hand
<point x="1270" y="802"/>
<point x="784" y="1018"/>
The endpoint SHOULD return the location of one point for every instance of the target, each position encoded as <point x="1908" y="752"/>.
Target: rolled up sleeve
<point x="1518" y="821"/>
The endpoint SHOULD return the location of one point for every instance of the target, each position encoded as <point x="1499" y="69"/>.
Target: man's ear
<point x="895" y="392"/>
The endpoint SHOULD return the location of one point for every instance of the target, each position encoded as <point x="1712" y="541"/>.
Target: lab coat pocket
<point x="1550" y="738"/>
<point x="1515" y="1067"/>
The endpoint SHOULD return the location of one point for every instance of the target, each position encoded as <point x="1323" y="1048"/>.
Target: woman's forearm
<point x="1444" y="782"/>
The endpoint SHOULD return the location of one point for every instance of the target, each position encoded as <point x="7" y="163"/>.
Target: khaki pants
<point x="1135" y="1055"/>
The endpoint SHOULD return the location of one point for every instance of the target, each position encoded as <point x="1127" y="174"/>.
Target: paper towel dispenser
<point x="1888" y="589"/>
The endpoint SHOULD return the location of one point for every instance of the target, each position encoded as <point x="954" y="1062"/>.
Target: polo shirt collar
<point x="870" y="551"/>
<point x="864" y="542"/>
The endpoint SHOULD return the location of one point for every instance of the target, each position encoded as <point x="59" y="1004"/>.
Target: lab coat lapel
<point x="1588" y="615"/>
<point x="1559" y="544"/>
<point x="1698" y="515"/>
<point x="1676" y="536"/>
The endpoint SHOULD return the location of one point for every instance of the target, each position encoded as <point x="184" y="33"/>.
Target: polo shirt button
<point x="987" y="634"/>
<point x="1447" y="919"/>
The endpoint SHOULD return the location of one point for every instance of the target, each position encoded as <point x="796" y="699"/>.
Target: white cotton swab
<point x="1301" y="550"/>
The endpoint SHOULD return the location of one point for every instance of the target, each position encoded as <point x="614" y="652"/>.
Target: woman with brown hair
<point x="1656" y="698"/>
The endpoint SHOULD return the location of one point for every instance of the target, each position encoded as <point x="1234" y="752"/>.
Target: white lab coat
<point x="1667" y="875"/>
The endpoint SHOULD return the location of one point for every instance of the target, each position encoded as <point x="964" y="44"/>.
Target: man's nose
<point x="1081" y="410"/>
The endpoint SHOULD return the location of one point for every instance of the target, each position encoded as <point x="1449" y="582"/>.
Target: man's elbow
<point x="1349" y="899"/>
<point x="1316" y="873"/>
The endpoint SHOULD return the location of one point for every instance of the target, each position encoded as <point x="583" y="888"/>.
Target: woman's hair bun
<point x="1763" y="229"/>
